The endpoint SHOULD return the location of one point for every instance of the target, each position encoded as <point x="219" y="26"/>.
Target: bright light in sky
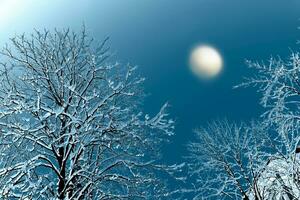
<point x="206" y="61"/>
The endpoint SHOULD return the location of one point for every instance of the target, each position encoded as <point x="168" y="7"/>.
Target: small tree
<point x="71" y="125"/>
<point x="227" y="160"/>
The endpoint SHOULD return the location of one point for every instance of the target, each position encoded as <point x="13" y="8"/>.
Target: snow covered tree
<point x="226" y="161"/>
<point x="71" y="123"/>
<point x="278" y="82"/>
<point x="278" y="180"/>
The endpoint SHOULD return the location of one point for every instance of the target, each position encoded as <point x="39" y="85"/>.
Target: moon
<point x="206" y="61"/>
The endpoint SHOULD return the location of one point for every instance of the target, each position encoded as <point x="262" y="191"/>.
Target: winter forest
<point x="78" y="120"/>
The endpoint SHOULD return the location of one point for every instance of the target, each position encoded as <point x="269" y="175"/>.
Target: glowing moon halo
<point x="206" y="61"/>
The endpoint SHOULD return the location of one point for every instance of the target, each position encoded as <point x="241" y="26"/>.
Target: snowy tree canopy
<point x="71" y="124"/>
<point x="278" y="180"/>
<point x="278" y="82"/>
<point x="226" y="160"/>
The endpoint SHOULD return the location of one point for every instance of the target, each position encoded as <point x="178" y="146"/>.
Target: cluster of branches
<point x="259" y="161"/>
<point x="71" y="125"/>
<point x="72" y="128"/>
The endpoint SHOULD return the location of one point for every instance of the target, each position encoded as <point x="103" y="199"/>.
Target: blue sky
<point x="157" y="35"/>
